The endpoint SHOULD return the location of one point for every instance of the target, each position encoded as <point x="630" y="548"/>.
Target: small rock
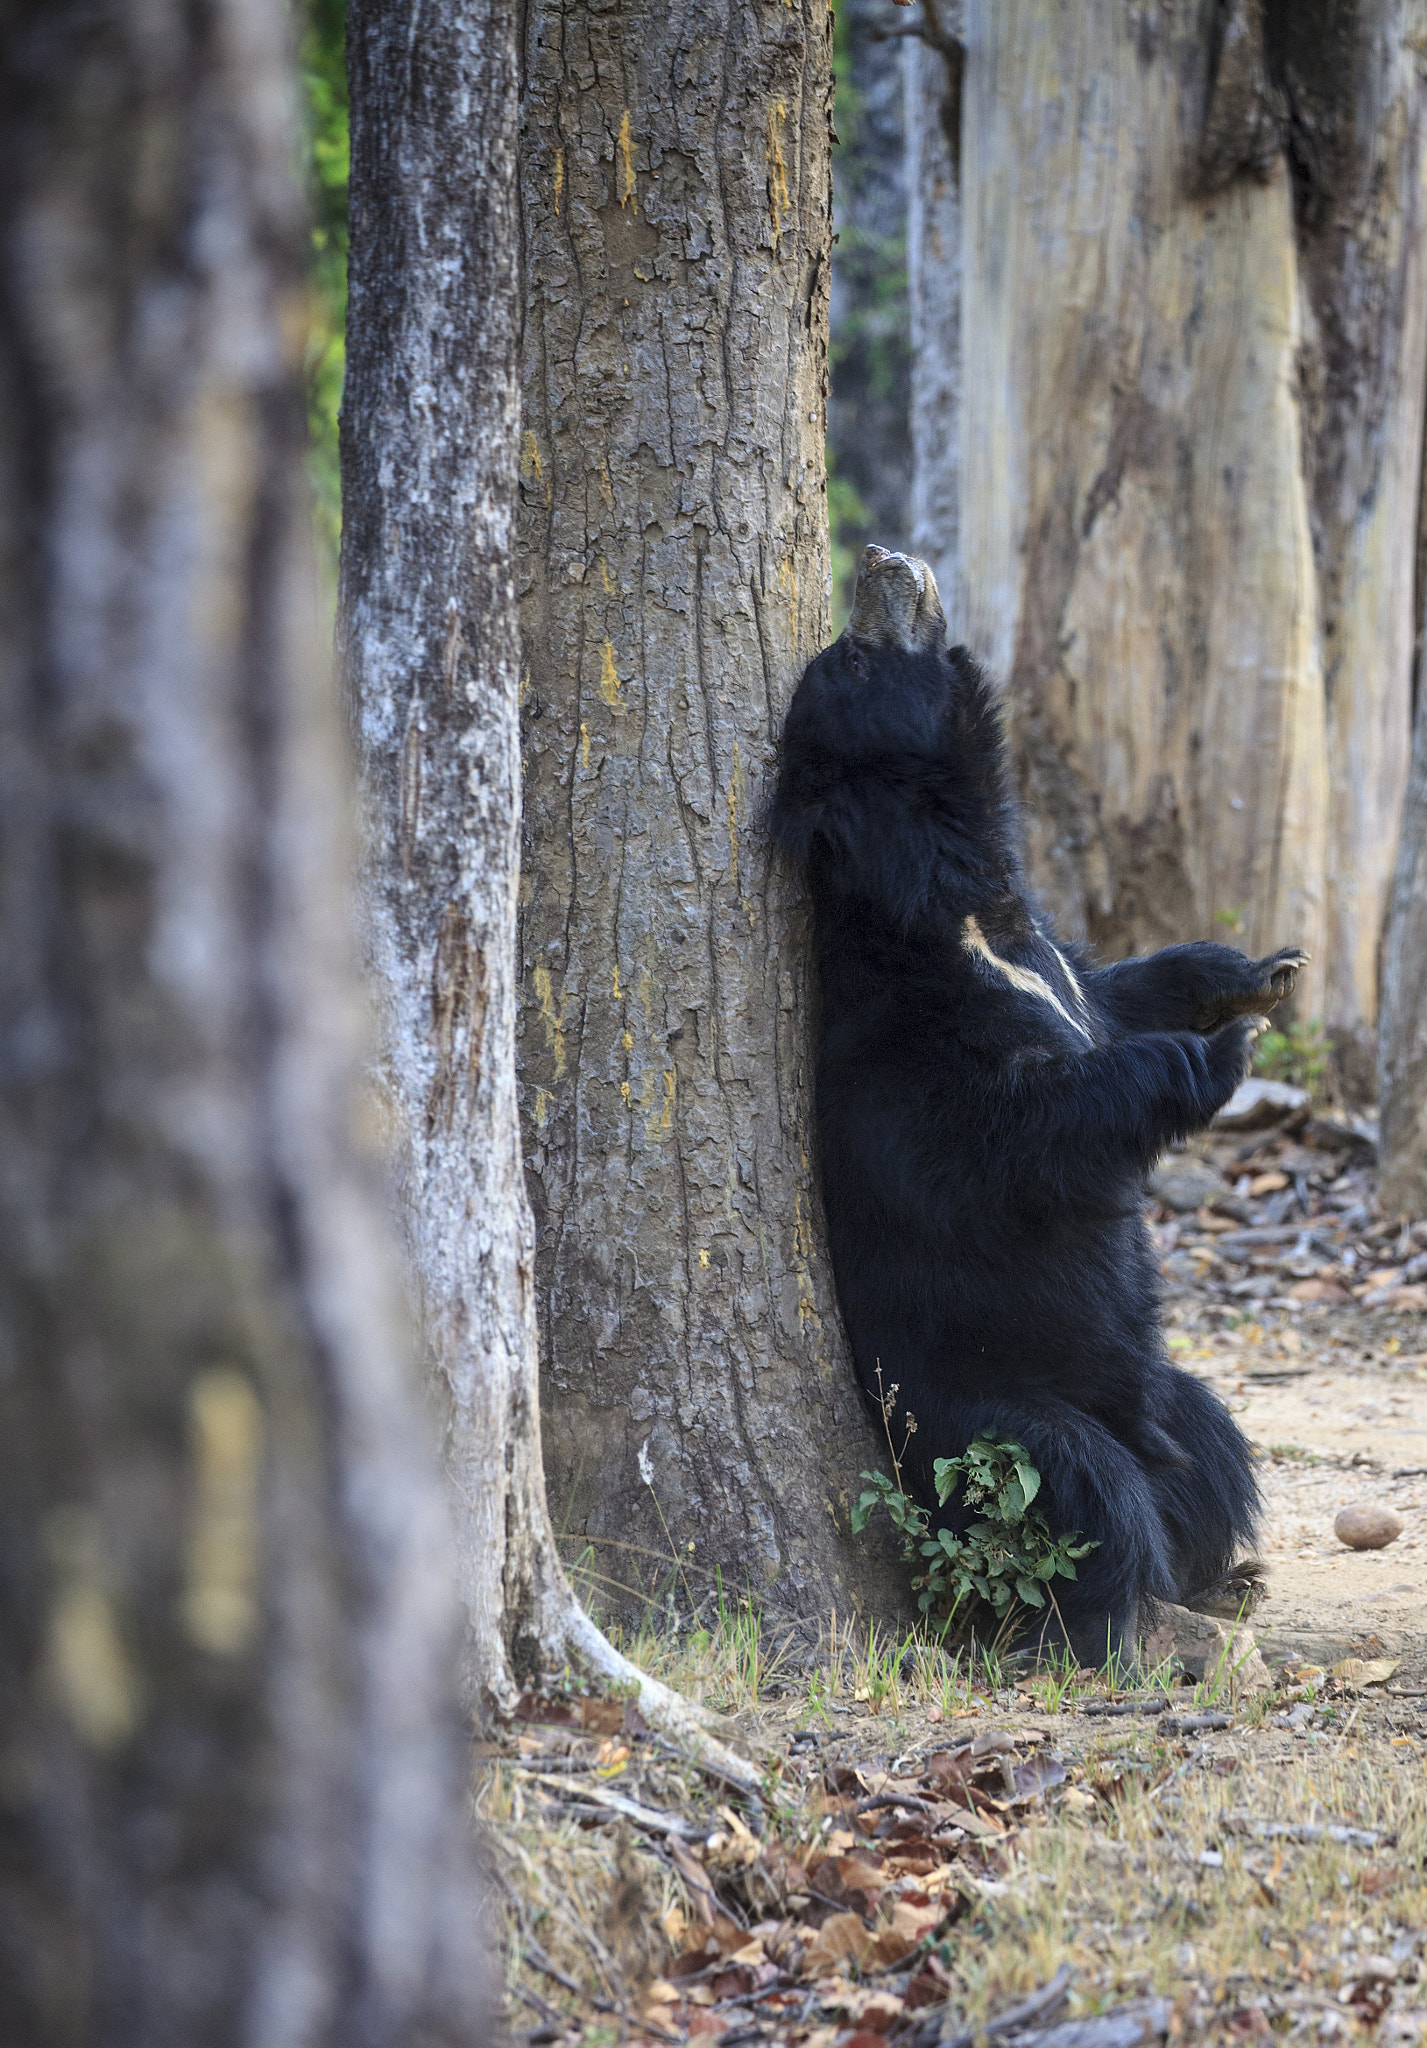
<point x="1256" y="1104"/>
<point x="1206" y="1648"/>
<point x="1357" y="1137"/>
<point x="1187" y="1184"/>
<point x="1367" y="1525"/>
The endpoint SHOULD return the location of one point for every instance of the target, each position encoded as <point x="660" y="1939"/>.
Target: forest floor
<point x="947" y="1854"/>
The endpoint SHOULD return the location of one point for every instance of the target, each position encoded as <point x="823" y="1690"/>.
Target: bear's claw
<point x="1283" y="970"/>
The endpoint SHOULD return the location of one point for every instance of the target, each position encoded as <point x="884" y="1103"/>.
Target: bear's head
<point x="892" y="779"/>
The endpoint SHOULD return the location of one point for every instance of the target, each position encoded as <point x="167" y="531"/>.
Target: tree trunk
<point x="868" y="429"/>
<point x="235" y="1784"/>
<point x="430" y="635"/>
<point x="1403" y="1029"/>
<point x="932" y="100"/>
<point x="699" y="1402"/>
<point x="1192" y="319"/>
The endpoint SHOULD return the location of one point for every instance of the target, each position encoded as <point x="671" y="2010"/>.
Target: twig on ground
<point x="1147" y="2019"/>
<point x="647" y="1817"/>
<point x="712" y="1769"/>
<point x="899" y="1799"/>
<point x="1113" y="1709"/>
<point x="696" y="1880"/>
<point x="534" y="1954"/>
<point x="1040" y="2005"/>
<point x="1305" y="1831"/>
<point x="1195" y="1724"/>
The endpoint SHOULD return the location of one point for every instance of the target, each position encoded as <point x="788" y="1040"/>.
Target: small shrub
<point x="1006" y="1555"/>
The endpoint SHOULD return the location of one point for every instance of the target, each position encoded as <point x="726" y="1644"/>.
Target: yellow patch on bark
<point x="532" y="467"/>
<point x="735" y="792"/>
<point x="553" y="1019"/>
<point x="610" y="688"/>
<point x="559" y="179"/>
<point x="87" y="1666"/>
<point x="626" y="158"/>
<point x="779" y="199"/>
<point x="226" y="1434"/>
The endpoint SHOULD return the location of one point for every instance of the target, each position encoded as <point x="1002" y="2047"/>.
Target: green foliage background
<point x="322" y="66"/>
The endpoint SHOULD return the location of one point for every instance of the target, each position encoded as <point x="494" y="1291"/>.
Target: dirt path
<point x="1332" y="1393"/>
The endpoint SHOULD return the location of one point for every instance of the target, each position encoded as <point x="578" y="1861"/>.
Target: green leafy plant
<point x="1006" y="1555"/>
<point x="1299" y="1055"/>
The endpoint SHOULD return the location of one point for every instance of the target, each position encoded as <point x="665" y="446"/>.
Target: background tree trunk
<point x="868" y="429"/>
<point x="932" y="118"/>
<point x="1403" y="1029"/>
<point x="430" y="428"/>
<point x="673" y="564"/>
<point x="235" y="1785"/>
<point x="430" y="635"/>
<point x="1193" y="329"/>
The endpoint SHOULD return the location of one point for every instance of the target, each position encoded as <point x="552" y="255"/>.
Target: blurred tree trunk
<point x="430" y="635"/>
<point x="235" y="1787"/>
<point x="674" y="572"/>
<point x="1193" y="325"/>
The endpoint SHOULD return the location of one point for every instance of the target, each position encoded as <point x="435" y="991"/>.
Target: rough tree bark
<point x="235" y="1804"/>
<point x="430" y="638"/>
<point x="1194" y="317"/>
<point x="673" y="565"/>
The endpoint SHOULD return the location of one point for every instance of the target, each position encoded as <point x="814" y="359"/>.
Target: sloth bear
<point x="989" y="1103"/>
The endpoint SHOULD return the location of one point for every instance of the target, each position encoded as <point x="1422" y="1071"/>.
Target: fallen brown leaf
<point x="841" y="1939"/>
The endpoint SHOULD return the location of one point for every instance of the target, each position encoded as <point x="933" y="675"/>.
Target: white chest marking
<point x="1025" y="979"/>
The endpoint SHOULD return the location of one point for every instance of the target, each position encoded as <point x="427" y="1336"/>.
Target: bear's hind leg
<point x="1208" y="1496"/>
<point x="1091" y="1485"/>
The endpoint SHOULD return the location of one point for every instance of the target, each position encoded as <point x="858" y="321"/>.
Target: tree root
<point x="697" y="1733"/>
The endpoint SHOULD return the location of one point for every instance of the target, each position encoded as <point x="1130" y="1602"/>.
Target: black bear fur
<point x="984" y="1146"/>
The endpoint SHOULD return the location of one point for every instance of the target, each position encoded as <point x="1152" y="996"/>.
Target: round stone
<point x="1367" y="1525"/>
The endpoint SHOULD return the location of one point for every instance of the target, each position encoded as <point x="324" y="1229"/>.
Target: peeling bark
<point x="673" y="574"/>
<point x="235" y="1801"/>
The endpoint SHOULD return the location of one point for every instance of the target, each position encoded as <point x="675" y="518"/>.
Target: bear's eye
<point x="856" y="659"/>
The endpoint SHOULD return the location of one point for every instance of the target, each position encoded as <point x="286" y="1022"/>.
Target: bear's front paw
<point x="1231" y="1055"/>
<point x="1280" y="971"/>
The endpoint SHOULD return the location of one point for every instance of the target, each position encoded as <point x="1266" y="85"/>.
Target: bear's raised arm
<point x="1192" y="988"/>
